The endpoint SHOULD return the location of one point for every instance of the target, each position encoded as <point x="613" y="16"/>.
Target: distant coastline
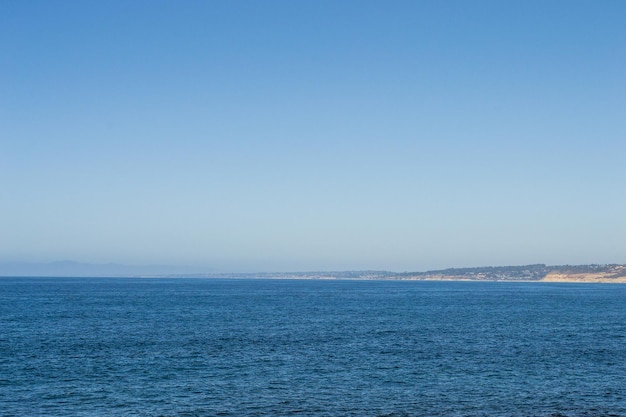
<point x="590" y="273"/>
<point x="593" y="273"/>
<point x="611" y="273"/>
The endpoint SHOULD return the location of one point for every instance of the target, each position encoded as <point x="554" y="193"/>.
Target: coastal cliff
<point x="607" y="274"/>
<point x="612" y="273"/>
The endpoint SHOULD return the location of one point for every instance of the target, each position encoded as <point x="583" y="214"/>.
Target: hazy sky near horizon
<point x="310" y="135"/>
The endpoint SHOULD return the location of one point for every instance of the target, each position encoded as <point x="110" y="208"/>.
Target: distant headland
<point x="608" y="273"/>
<point x="605" y="273"/>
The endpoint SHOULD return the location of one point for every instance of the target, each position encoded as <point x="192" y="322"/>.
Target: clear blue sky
<point x="310" y="135"/>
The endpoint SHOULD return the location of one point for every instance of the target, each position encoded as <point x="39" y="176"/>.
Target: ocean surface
<point x="210" y="347"/>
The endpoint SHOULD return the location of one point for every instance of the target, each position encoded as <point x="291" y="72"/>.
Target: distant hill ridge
<point x="537" y="272"/>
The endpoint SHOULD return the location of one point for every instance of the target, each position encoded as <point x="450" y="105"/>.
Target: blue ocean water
<point x="208" y="347"/>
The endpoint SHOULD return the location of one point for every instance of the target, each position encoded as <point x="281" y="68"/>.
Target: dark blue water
<point x="154" y="347"/>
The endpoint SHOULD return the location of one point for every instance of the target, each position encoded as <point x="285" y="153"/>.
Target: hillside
<point x="608" y="273"/>
<point x="612" y="273"/>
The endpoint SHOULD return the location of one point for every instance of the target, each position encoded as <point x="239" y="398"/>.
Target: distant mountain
<point x="79" y="269"/>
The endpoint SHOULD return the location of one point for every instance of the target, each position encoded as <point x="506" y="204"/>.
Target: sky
<point x="313" y="135"/>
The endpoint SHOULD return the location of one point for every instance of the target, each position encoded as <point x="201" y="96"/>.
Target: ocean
<point x="211" y="347"/>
